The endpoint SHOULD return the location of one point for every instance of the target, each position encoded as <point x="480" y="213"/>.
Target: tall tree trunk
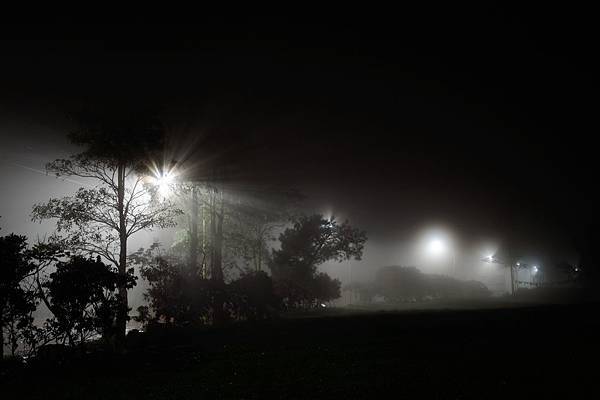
<point x="1" y="336"/>
<point x="14" y="344"/>
<point x="204" y="269"/>
<point x="194" y="231"/>
<point x="123" y="312"/>
<point x="219" y="241"/>
<point x="213" y="233"/>
<point x="216" y="273"/>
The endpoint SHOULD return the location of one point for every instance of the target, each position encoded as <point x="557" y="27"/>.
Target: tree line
<point x="398" y="284"/>
<point x="224" y="264"/>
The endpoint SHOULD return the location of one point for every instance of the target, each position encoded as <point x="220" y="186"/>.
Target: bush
<point x="176" y="297"/>
<point x="252" y="297"/>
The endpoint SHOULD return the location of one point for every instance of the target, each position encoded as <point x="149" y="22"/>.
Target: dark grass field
<point x="518" y="352"/>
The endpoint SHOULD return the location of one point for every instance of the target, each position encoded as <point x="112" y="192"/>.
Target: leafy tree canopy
<point x="311" y="241"/>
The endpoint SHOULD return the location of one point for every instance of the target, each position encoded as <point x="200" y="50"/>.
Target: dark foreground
<point x="536" y="352"/>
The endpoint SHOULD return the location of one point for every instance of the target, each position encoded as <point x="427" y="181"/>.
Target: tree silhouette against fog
<point x="83" y="299"/>
<point x="119" y="147"/>
<point x="16" y="302"/>
<point x="310" y="242"/>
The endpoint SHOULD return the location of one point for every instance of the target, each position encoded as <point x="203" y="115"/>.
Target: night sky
<point x="476" y="118"/>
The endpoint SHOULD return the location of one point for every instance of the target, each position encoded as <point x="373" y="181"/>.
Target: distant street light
<point x="438" y="247"/>
<point x="532" y="273"/>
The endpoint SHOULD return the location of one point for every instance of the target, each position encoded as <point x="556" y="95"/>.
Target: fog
<point x="398" y="234"/>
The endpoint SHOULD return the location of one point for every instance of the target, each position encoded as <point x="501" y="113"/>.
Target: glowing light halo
<point x="164" y="183"/>
<point x="163" y="179"/>
<point x="437" y="246"/>
<point x="436" y="242"/>
<point x="438" y="250"/>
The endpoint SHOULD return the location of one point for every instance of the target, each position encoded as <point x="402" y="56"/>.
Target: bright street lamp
<point x="438" y="247"/>
<point x="163" y="180"/>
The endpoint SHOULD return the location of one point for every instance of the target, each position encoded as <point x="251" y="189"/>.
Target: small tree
<point x="83" y="298"/>
<point x="16" y="302"/>
<point x="311" y="241"/>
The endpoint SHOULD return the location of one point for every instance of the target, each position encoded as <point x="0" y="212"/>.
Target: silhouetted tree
<point x="119" y="146"/>
<point x="176" y="295"/>
<point x="311" y="241"/>
<point x="16" y="302"/>
<point x="82" y="295"/>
